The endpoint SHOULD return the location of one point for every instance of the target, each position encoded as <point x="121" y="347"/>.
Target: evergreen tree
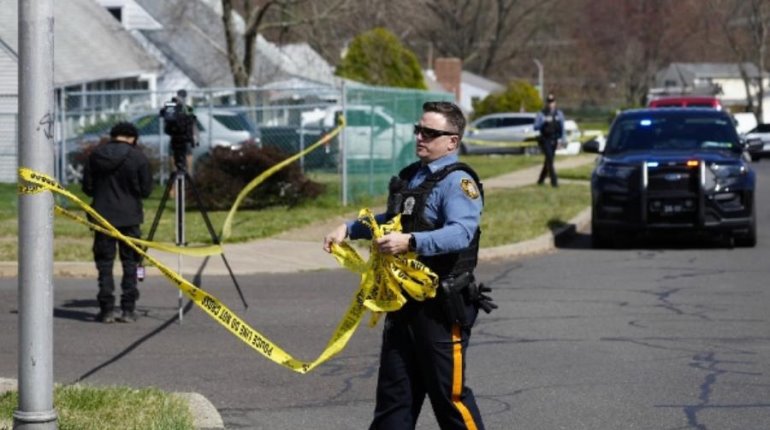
<point x="377" y="57"/>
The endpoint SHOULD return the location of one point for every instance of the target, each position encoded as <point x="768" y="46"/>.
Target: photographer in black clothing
<point x="117" y="176"/>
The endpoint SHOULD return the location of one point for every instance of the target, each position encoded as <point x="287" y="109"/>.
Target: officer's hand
<point x="335" y="236"/>
<point x="393" y="243"/>
<point x="484" y="301"/>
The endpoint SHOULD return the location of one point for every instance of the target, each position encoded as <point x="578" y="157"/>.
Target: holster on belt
<point x="451" y="296"/>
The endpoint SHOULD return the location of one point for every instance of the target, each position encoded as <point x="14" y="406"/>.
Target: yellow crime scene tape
<point x="226" y="227"/>
<point x="500" y="143"/>
<point x="382" y="276"/>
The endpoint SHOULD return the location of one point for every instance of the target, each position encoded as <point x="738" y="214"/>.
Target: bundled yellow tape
<point x="383" y="277"/>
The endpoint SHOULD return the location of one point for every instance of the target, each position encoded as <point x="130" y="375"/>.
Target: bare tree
<point x="259" y="16"/>
<point x="331" y="36"/>
<point x="628" y="41"/>
<point x="483" y="33"/>
<point x="593" y="51"/>
<point x="744" y="24"/>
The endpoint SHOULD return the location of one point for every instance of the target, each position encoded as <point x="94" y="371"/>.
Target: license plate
<point x="671" y="209"/>
<point x="766" y="147"/>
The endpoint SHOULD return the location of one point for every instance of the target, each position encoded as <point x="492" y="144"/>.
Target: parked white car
<point x="758" y="140"/>
<point x="371" y="132"/>
<point x="514" y="133"/>
<point x="744" y="122"/>
<point x="572" y="138"/>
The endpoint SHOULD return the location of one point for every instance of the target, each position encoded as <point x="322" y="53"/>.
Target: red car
<point x="686" y="101"/>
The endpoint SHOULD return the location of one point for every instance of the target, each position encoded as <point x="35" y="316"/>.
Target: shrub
<point x="518" y="96"/>
<point x="222" y="174"/>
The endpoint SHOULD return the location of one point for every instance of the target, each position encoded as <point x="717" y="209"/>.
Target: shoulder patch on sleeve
<point x="469" y="188"/>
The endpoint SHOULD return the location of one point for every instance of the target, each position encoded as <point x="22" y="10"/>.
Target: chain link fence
<point x="376" y="142"/>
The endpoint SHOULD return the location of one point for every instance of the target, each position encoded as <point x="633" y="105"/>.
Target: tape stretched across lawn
<point x="383" y="278"/>
<point x="501" y="143"/>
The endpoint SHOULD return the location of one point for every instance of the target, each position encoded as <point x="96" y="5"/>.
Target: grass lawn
<point x="88" y="408"/>
<point x="517" y="214"/>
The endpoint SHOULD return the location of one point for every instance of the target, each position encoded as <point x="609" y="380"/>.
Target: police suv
<point x="670" y="169"/>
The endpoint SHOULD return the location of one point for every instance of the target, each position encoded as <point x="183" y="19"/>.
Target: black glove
<point x="482" y="300"/>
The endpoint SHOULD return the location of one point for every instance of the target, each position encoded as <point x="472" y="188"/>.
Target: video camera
<point x="178" y="122"/>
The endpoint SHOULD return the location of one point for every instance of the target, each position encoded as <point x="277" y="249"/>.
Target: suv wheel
<point x="601" y="237"/>
<point x="748" y="239"/>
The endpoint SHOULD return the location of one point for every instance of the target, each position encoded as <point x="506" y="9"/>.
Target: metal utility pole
<point x="36" y="147"/>
<point x="539" y="76"/>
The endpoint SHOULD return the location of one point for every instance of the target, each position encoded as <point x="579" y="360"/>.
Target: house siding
<point x="9" y="76"/>
<point x="8" y="147"/>
<point x="8" y="119"/>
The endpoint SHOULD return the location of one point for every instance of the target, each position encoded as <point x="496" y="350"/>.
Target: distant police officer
<point x="550" y="123"/>
<point x="424" y="343"/>
<point x="117" y="176"/>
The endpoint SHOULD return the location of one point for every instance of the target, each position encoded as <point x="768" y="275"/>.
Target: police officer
<point x="550" y="123"/>
<point x="117" y="176"/>
<point x="424" y="343"/>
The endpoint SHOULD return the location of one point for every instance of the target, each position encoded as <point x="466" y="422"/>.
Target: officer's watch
<point x="412" y="243"/>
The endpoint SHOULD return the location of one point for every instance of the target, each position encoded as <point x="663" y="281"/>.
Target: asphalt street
<point x="669" y="333"/>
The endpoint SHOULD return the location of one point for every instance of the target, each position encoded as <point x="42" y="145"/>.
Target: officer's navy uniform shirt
<point x="541" y="119"/>
<point x="447" y="206"/>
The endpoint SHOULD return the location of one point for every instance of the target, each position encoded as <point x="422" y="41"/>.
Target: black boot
<point x="106" y="316"/>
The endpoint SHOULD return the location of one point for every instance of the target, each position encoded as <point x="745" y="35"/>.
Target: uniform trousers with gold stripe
<point x="423" y="354"/>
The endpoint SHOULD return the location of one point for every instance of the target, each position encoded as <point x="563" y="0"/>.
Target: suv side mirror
<point x="592" y="146"/>
<point x="754" y="143"/>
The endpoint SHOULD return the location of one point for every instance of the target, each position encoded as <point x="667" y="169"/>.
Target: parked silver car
<point x="507" y="132"/>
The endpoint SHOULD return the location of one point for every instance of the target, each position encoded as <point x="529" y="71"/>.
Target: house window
<point x="117" y="12"/>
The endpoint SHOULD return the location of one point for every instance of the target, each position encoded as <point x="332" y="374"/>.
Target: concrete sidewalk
<point x="300" y="249"/>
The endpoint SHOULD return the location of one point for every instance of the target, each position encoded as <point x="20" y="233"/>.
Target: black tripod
<point x="180" y="178"/>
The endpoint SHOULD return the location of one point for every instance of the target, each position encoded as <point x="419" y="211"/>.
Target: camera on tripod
<point x="179" y="125"/>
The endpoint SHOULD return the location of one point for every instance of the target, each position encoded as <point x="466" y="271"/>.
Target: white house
<point x="91" y="52"/>
<point x="723" y="80"/>
<point x="188" y="38"/>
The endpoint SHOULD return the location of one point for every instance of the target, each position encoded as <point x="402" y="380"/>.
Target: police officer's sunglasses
<point x="431" y="133"/>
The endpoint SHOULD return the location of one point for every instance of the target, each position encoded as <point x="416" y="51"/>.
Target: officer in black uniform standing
<point x="425" y="343"/>
<point x="550" y="123"/>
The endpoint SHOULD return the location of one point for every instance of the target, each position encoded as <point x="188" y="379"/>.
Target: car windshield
<point x="150" y="125"/>
<point x="761" y="128"/>
<point x="233" y="122"/>
<point x="499" y="122"/>
<point x="672" y="133"/>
